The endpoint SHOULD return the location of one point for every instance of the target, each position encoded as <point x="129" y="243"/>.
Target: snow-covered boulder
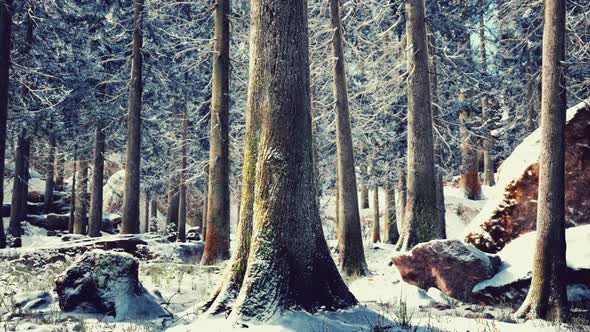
<point x="113" y="192"/>
<point x="106" y="283"/>
<point x="451" y="266"/>
<point x="512" y="212"/>
<point x="53" y="222"/>
<point x="511" y="283"/>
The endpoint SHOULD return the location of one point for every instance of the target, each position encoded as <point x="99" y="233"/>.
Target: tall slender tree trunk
<point x="205" y="201"/>
<point x="73" y="193"/>
<point x="531" y="92"/>
<point x="470" y="182"/>
<point x="376" y="226"/>
<point x="18" y="206"/>
<point x="436" y="123"/>
<point x="391" y="232"/>
<point x="153" y="226"/>
<point x="547" y="296"/>
<point x="59" y="171"/>
<point x="401" y="206"/>
<point x="350" y="244"/>
<point x="49" y="172"/>
<point x="147" y="217"/>
<point x="173" y="202"/>
<point x="5" y="35"/>
<point x="218" y="210"/>
<point x="95" y="216"/>
<point x="80" y="214"/>
<point x="289" y="265"/>
<point x="421" y="212"/>
<point x="337" y="198"/>
<point x="363" y="187"/>
<point x="488" y="160"/>
<point x="130" y="218"/>
<point x="181" y="233"/>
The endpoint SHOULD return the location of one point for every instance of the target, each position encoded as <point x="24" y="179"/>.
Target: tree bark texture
<point x="547" y="296"/>
<point x="488" y="160"/>
<point x="5" y="35"/>
<point x="470" y="182"/>
<point x="350" y="243"/>
<point x="18" y="205"/>
<point x="376" y="226"/>
<point x="421" y="213"/>
<point x="131" y="202"/>
<point x="95" y="215"/>
<point x="49" y="174"/>
<point x="290" y="265"/>
<point x="391" y="232"/>
<point x="218" y="205"/>
<point x="80" y="214"/>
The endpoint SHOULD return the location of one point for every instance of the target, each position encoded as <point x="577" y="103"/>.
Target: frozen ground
<point x="387" y="303"/>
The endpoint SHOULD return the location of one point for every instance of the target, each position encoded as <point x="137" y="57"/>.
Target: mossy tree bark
<point x="95" y="215"/>
<point x="5" y="35"/>
<point x="547" y="296"/>
<point x="350" y="242"/>
<point x="218" y="205"/>
<point x="131" y="202"/>
<point x="80" y="214"/>
<point x="289" y="265"/>
<point x="421" y="212"/>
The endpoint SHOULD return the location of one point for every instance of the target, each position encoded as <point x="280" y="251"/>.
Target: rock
<point x="106" y="283"/>
<point x="113" y="192"/>
<point x="513" y="212"/>
<point x="193" y="234"/>
<point x="33" y="301"/>
<point x="449" y="265"/>
<point x="511" y="283"/>
<point x="53" y="222"/>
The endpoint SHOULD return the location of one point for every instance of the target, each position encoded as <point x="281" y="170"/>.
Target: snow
<point x="517" y="257"/>
<point x="525" y="154"/>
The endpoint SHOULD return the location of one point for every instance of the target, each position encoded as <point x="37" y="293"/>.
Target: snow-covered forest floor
<point x="27" y="300"/>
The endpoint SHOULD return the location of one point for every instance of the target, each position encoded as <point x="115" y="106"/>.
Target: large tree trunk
<point x="204" y="203"/>
<point x="547" y="296"/>
<point x="5" y="33"/>
<point x="49" y="172"/>
<point x="95" y="215"/>
<point x="80" y="214"/>
<point x="376" y="228"/>
<point x="73" y="194"/>
<point x="350" y="244"/>
<point x="181" y="232"/>
<point x="18" y="206"/>
<point x="436" y="124"/>
<point x="391" y="232"/>
<point x="488" y="160"/>
<point x="470" y="183"/>
<point x="130" y="218"/>
<point x="421" y="212"/>
<point x="231" y="285"/>
<point x="218" y="210"/>
<point x="289" y="265"/>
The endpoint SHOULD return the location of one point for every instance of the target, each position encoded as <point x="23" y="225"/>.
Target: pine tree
<point x="130" y="217"/>
<point x="289" y="264"/>
<point x="421" y="214"/>
<point x="95" y="214"/>
<point x="5" y="35"/>
<point x="547" y="296"/>
<point x="218" y="205"/>
<point x="350" y="241"/>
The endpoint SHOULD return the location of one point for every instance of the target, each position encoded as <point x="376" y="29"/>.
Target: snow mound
<point x="517" y="257"/>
